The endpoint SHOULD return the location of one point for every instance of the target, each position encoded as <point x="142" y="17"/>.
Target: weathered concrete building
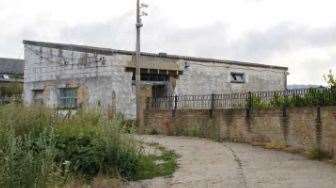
<point x="66" y="75"/>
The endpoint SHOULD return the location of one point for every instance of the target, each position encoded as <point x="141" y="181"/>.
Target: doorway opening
<point x="159" y="91"/>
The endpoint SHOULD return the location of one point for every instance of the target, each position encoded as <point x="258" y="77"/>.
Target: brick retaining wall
<point x="305" y="127"/>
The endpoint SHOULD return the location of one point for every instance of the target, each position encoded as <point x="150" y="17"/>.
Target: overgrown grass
<point x="164" y="164"/>
<point x="40" y="148"/>
<point x="318" y="154"/>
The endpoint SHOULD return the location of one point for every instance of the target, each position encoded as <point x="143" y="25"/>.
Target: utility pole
<point x="139" y="107"/>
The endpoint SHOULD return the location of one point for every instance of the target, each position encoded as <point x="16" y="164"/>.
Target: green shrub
<point x="257" y="103"/>
<point x="330" y="78"/>
<point x="97" y="149"/>
<point x="313" y="97"/>
<point x="318" y="154"/>
<point x="194" y="131"/>
<point x="28" y="160"/>
<point x="148" y="169"/>
<point x="39" y="148"/>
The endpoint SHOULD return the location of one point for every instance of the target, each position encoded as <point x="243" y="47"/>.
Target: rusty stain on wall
<point x="82" y="95"/>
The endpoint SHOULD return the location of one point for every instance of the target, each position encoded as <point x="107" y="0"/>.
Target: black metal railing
<point x="262" y="99"/>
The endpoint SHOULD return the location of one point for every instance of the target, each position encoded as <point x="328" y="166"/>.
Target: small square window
<point x="68" y="98"/>
<point x="237" y="77"/>
<point x="38" y="97"/>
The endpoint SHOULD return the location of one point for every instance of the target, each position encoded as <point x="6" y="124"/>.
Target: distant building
<point x="11" y="70"/>
<point x="68" y="76"/>
<point x="11" y="79"/>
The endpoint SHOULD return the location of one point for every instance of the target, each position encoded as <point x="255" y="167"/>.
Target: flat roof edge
<point x="109" y="51"/>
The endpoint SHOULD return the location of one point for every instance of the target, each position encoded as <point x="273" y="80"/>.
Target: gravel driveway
<point x="205" y="163"/>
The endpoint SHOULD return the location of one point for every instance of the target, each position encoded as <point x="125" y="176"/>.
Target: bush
<point x="313" y="97"/>
<point x="256" y="102"/>
<point x="28" y="160"/>
<point x="318" y="154"/>
<point x="94" y="145"/>
<point x="39" y="148"/>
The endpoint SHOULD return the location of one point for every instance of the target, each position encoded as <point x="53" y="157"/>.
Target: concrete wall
<point x="207" y="78"/>
<point x="303" y="128"/>
<point x="99" y="81"/>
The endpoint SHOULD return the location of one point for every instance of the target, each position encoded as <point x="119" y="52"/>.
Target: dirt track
<point x="204" y="163"/>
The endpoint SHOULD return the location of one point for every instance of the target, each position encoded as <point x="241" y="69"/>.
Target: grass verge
<point x="152" y="165"/>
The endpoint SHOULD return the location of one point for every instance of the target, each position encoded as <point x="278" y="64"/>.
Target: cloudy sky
<point x="300" y="34"/>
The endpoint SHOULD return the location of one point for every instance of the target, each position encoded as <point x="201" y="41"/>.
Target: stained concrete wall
<point x="45" y="68"/>
<point x="303" y="128"/>
<point x="207" y="78"/>
<point x="99" y="81"/>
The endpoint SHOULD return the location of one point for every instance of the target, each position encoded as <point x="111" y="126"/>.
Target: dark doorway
<point x="158" y="91"/>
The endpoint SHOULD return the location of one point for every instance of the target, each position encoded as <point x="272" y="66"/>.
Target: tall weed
<point x="39" y="148"/>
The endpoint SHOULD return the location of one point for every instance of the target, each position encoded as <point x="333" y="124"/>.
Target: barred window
<point x="68" y="98"/>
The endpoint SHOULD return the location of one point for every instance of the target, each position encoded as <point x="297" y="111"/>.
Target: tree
<point x="330" y="78"/>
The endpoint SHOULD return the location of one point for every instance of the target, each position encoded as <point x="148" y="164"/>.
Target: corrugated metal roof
<point x="108" y="51"/>
<point x="11" y="66"/>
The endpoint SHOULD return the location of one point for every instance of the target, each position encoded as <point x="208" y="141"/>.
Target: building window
<point x="237" y="77"/>
<point x="68" y="98"/>
<point x="38" y="97"/>
<point x="186" y="65"/>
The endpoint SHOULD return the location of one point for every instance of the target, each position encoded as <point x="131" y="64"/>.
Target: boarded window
<point x="237" y="77"/>
<point x="68" y="98"/>
<point x="38" y="97"/>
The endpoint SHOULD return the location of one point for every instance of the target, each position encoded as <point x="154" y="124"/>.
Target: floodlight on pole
<point x="143" y="5"/>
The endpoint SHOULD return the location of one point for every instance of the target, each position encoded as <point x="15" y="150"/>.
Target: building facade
<point x="68" y="76"/>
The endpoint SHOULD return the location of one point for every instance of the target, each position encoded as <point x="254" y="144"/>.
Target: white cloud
<point x="300" y="34"/>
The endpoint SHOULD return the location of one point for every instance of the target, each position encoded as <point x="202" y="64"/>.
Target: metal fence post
<point x="285" y="104"/>
<point x="212" y="105"/>
<point x="175" y="105"/>
<point x="249" y="104"/>
<point x="285" y="120"/>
